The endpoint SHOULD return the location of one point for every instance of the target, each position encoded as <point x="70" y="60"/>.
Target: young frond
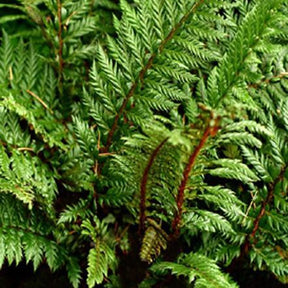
<point x="153" y="242"/>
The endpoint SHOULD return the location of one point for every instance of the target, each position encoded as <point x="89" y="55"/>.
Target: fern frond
<point x="24" y="234"/>
<point x="198" y="220"/>
<point x="248" y="35"/>
<point x="101" y="257"/>
<point x="233" y="169"/>
<point x="72" y="213"/>
<point x="197" y="269"/>
<point x="74" y="272"/>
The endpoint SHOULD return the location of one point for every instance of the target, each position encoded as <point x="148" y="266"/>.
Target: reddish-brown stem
<point x="143" y="73"/>
<point x="143" y="185"/>
<point x="250" y="238"/>
<point x="261" y="213"/>
<point x="60" y="50"/>
<point x="209" y="131"/>
<point x="120" y="112"/>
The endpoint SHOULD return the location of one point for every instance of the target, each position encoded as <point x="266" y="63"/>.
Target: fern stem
<point x="143" y="185"/>
<point x="179" y="24"/>
<point x="268" y="199"/>
<point x="60" y="51"/>
<point x="250" y="238"/>
<point x="142" y="73"/>
<point x="117" y="117"/>
<point x="209" y="131"/>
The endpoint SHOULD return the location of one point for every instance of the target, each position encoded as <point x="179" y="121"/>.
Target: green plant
<point x="173" y="147"/>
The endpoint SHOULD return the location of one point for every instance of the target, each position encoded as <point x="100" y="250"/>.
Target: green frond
<point x="144" y="161"/>
<point x="122" y="57"/>
<point x="277" y="222"/>
<point x="6" y="58"/>
<point x="80" y="28"/>
<point x="73" y="170"/>
<point x="168" y="117"/>
<point x="22" y="74"/>
<point x="74" y="272"/>
<point x="225" y="200"/>
<point x="132" y="41"/>
<point x="31" y="68"/>
<point x="200" y="220"/>
<point x="96" y="111"/>
<point x="75" y="10"/>
<point x="86" y="138"/>
<point x="249" y="34"/>
<point x="101" y="89"/>
<point x="233" y="169"/>
<point x="250" y="125"/>
<point x="110" y="70"/>
<point x="24" y="234"/>
<point x="271" y="258"/>
<point x="240" y="138"/>
<point x="146" y="27"/>
<point x="257" y="163"/>
<point x="13" y="106"/>
<point x="33" y="250"/>
<point x="280" y="202"/>
<point x="97" y="267"/>
<point x="101" y="257"/>
<point x="119" y="194"/>
<point x="74" y="212"/>
<point x="197" y="269"/>
<point x="26" y="178"/>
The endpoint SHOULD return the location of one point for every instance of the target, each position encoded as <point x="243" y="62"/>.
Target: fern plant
<point x="162" y="137"/>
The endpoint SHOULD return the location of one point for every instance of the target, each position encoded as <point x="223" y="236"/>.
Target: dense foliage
<point x="144" y="143"/>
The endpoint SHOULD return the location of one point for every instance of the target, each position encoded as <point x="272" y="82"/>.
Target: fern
<point x="101" y="257"/>
<point x="21" y="237"/>
<point x="162" y="117"/>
